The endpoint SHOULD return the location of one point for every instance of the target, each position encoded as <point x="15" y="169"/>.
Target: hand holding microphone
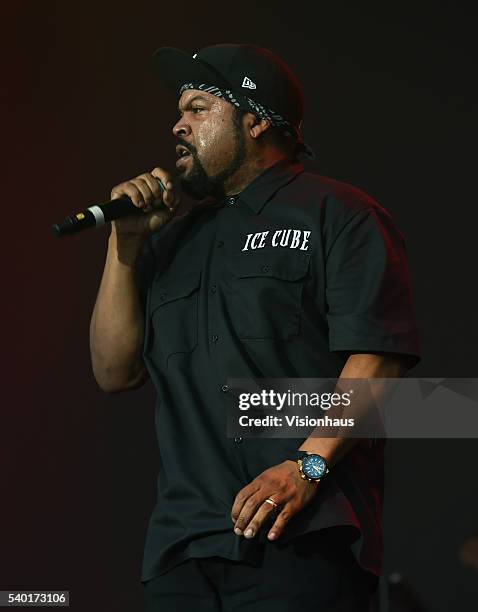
<point x="138" y="207"/>
<point x="145" y="192"/>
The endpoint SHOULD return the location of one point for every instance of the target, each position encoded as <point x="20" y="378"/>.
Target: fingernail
<point x="272" y="535"/>
<point x="169" y="185"/>
<point x="237" y="531"/>
<point x="249" y="533"/>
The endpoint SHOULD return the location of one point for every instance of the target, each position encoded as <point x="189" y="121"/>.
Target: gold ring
<point x="271" y="502"/>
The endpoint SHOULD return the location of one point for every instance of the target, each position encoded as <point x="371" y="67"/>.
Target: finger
<point x="264" y="511"/>
<point x="176" y="199"/>
<point x="242" y="497"/>
<point x="169" y="195"/>
<point x="249" y="509"/>
<point x="162" y="174"/>
<point x="147" y="194"/>
<point x="177" y="202"/>
<point x="153" y="184"/>
<point x="281" y="521"/>
<point x="164" y="177"/>
<point x="129" y="189"/>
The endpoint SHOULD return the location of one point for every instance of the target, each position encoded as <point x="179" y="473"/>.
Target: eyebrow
<point x="191" y="100"/>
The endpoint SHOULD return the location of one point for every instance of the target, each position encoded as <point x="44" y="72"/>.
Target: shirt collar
<point x="265" y="185"/>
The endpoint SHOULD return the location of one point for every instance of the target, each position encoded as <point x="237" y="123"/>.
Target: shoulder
<point x="333" y="203"/>
<point x="338" y="194"/>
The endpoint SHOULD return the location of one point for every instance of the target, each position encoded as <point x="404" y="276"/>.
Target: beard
<point x="198" y="184"/>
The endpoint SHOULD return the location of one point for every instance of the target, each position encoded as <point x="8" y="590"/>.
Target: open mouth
<point x="182" y="151"/>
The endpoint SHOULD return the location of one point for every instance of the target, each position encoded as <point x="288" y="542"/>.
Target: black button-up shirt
<point x="285" y="279"/>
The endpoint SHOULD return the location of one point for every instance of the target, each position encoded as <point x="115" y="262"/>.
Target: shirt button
<point x="213" y="289"/>
<point x="215" y="338"/>
<point x="225" y="388"/>
<point x="220" y="243"/>
<point x="237" y="440"/>
<point x="265" y="268"/>
<point x="162" y="296"/>
<point x="231" y="200"/>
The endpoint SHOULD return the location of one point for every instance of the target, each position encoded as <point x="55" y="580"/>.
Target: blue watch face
<point x="313" y="466"/>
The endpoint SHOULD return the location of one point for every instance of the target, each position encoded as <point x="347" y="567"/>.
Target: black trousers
<point x="307" y="572"/>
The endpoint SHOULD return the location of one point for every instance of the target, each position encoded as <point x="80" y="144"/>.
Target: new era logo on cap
<point x="248" y="83"/>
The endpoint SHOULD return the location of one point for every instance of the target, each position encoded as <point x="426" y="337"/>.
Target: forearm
<point x="117" y="322"/>
<point x="357" y="366"/>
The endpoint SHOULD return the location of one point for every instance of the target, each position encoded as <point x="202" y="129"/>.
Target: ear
<point x="256" y="126"/>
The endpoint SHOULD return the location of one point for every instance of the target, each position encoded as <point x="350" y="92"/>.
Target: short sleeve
<point x="368" y="290"/>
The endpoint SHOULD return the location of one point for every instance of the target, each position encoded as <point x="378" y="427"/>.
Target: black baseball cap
<point x="248" y="76"/>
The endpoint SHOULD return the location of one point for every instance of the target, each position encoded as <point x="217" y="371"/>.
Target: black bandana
<point x="245" y="103"/>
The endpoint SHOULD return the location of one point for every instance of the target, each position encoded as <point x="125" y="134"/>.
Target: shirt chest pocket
<point x="173" y="326"/>
<point x="266" y="293"/>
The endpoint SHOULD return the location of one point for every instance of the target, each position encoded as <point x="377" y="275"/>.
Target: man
<point x="277" y="272"/>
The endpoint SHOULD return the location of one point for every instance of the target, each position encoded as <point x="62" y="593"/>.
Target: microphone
<point x="99" y="214"/>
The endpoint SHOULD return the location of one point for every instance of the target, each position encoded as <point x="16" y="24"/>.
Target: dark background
<point x="390" y="100"/>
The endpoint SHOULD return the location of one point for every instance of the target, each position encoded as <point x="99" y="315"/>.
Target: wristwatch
<point x="312" y="467"/>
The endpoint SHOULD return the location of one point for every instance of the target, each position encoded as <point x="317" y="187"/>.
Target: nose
<point x="181" y="128"/>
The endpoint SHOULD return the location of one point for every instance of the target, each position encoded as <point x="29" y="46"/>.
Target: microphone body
<point x="97" y="215"/>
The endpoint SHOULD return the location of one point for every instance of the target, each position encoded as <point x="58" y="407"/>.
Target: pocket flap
<point x="172" y="289"/>
<point x="285" y="264"/>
